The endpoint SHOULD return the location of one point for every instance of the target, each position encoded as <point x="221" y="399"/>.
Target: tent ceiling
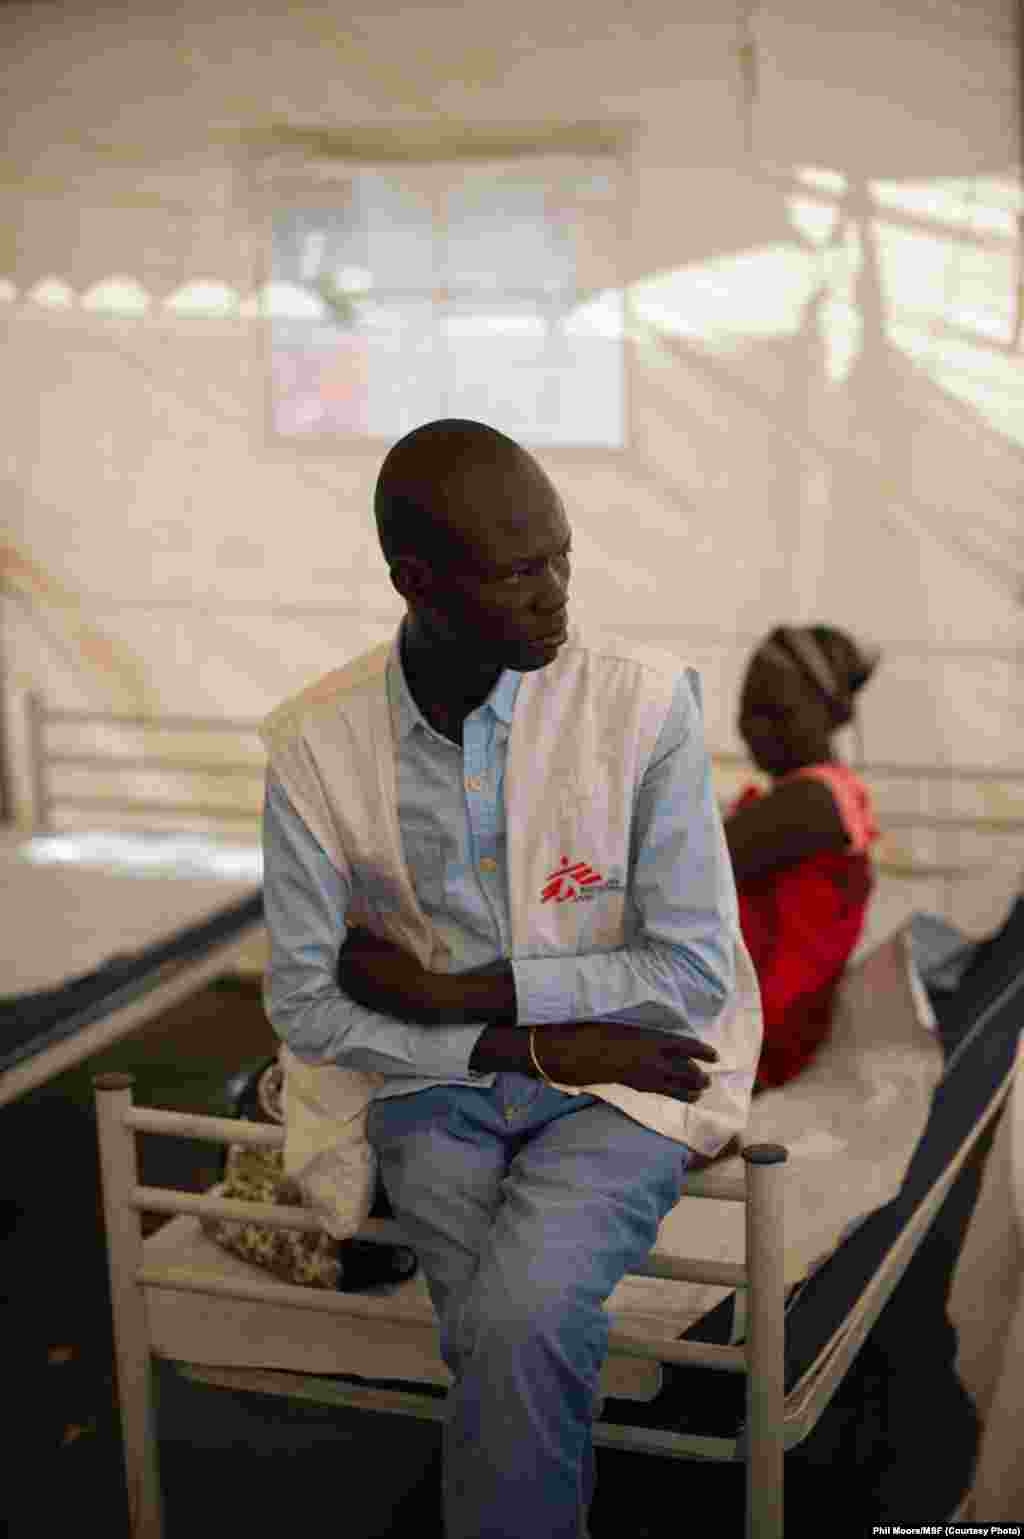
<point x="874" y="92"/>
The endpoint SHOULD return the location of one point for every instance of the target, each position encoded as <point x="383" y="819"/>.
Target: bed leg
<point x="119" y="1167"/>
<point x="765" y="1338"/>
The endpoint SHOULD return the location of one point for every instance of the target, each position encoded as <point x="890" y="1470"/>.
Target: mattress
<point x="850" y="1122"/>
<point x="84" y="936"/>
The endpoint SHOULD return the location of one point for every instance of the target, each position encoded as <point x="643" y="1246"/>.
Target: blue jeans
<point x="526" y="1207"/>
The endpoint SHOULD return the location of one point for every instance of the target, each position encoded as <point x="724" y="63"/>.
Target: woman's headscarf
<point x="830" y="661"/>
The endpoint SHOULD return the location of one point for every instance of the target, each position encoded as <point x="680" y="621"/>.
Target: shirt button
<point x="487" y="864"/>
<point x="474" y="783"/>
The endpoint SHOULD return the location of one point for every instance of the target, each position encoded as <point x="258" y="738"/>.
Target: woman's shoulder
<point x="851" y="796"/>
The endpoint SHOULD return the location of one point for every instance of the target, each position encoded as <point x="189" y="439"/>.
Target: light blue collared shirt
<point x="675" y="976"/>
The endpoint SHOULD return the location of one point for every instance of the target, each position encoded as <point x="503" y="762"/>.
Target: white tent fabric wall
<point x="823" y="383"/>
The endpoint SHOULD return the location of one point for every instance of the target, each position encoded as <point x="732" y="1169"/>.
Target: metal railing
<point x="46" y="798"/>
<point x="39" y="719"/>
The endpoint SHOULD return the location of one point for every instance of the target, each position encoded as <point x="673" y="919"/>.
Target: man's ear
<point x="412" y="578"/>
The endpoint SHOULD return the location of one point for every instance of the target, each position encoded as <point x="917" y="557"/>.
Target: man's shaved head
<point x="477" y="541"/>
<point x="443" y="481"/>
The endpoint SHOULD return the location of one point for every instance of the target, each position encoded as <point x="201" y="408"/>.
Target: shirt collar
<point x="406" y="714"/>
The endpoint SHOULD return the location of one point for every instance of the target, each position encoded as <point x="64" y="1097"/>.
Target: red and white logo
<point x="568" y="882"/>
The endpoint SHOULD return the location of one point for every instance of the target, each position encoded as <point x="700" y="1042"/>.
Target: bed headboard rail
<point x="155" y="773"/>
<point x="199" y="773"/>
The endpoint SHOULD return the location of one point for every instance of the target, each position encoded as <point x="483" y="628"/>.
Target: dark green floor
<point x="255" y="1465"/>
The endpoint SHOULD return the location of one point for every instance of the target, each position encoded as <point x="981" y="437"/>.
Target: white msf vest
<point x="583" y="731"/>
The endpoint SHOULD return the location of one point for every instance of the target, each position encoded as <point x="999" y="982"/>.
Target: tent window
<point x="407" y="294"/>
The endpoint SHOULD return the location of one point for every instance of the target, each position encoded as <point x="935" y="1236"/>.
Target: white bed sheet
<point x="850" y="1123"/>
<point x="64" y="917"/>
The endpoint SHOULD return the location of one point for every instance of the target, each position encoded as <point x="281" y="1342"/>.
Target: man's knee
<point x="513" y="1315"/>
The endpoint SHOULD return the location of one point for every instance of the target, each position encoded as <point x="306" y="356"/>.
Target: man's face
<point x="500" y="588"/>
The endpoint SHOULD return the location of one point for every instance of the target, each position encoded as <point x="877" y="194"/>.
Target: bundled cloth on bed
<point x="258" y="1175"/>
<point x="309" y="1259"/>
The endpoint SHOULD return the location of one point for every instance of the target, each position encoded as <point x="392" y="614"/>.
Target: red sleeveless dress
<point x="801" y="922"/>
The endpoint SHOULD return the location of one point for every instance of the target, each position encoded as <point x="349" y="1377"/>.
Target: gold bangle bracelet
<point x="536" y="1064"/>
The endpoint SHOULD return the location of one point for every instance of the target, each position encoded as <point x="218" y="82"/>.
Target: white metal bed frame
<point x="776" y="1420"/>
<point x="39" y="758"/>
<point x="133" y="1278"/>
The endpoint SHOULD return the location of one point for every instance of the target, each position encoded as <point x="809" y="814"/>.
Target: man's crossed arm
<point x="381" y="976"/>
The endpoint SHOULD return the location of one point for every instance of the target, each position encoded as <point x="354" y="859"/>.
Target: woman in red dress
<point x="800" y="849"/>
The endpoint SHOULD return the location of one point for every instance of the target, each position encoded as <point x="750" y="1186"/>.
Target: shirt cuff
<point x="544" y="993"/>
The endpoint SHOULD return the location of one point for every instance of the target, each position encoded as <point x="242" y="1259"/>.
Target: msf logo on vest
<point x="576" y="882"/>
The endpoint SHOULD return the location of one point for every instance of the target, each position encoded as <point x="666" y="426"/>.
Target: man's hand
<point x="599" y="1053"/>
<point x="381" y="976"/>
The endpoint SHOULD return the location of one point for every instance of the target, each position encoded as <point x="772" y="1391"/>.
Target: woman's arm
<point x="796" y="819"/>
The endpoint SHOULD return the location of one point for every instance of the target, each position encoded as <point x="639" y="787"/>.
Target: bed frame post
<point x="35" y="732"/>
<point x="120" y="1173"/>
<point x="766" y="1339"/>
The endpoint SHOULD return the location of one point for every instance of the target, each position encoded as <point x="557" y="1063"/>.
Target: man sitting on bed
<point x="523" y="821"/>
